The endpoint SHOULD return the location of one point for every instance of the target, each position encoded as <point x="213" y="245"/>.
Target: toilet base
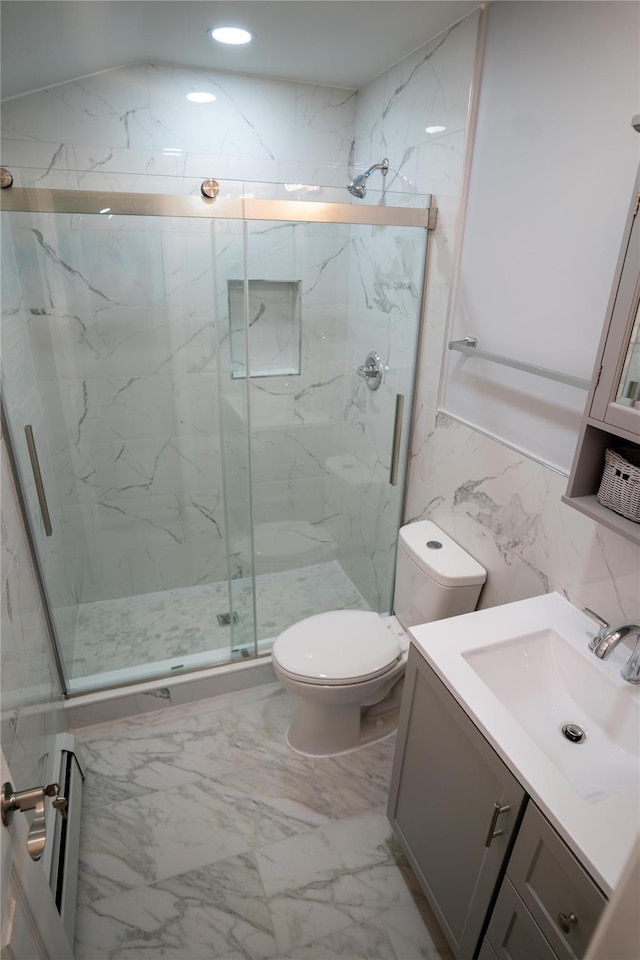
<point x="329" y="730"/>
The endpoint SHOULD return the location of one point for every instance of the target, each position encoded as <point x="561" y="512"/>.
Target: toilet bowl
<point x="345" y="667"/>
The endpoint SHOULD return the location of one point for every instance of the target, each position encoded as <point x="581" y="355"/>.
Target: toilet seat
<point x="338" y="647"/>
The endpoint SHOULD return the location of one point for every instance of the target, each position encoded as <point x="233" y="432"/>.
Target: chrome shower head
<point x="358" y="186"/>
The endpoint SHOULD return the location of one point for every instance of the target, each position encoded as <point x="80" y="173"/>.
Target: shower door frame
<point x="247" y="209"/>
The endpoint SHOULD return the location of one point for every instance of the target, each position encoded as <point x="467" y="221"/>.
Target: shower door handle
<point x="397" y="436"/>
<point x="37" y="476"/>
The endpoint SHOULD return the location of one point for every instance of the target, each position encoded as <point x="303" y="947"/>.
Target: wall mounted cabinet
<point x="498" y="877"/>
<point x="612" y="413"/>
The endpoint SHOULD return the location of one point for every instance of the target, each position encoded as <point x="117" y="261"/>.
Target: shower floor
<point x="132" y="631"/>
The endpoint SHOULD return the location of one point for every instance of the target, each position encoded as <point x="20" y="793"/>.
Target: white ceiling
<point x="343" y="43"/>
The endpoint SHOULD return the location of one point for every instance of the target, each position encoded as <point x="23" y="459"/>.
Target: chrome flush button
<point x="434" y="544"/>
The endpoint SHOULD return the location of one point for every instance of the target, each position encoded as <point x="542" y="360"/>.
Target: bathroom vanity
<point x="515" y="842"/>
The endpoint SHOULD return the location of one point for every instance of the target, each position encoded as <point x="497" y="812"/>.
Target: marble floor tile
<point x="359" y="942"/>
<point x="139" y="757"/>
<point x="319" y="883"/>
<point x="216" y="911"/>
<point x="204" y="835"/>
<point x="116" y="850"/>
<point x="413" y="932"/>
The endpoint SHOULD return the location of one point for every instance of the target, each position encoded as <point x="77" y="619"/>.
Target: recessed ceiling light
<point x="234" y="35"/>
<point x="201" y="97"/>
<point x="434" y="129"/>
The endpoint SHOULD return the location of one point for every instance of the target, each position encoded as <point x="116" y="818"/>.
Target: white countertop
<point x="602" y="833"/>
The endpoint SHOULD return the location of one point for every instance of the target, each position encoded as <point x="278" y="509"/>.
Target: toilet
<point x="345" y="667"/>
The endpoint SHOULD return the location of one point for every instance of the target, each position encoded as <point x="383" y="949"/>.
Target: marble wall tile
<point x="324" y="122"/>
<point x="427" y="88"/>
<point x="40" y="164"/>
<point x="247" y="118"/>
<point x="506" y="510"/>
<point x="108" y="108"/>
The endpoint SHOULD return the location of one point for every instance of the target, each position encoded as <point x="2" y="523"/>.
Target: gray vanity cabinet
<point x="555" y="888"/>
<point x="513" y="934"/>
<point x="453" y="804"/>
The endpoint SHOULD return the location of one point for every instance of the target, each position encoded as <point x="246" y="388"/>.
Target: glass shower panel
<point x="325" y="515"/>
<point x="385" y="302"/>
<point x="231" y="292"/>
<point x="116" y="320"/>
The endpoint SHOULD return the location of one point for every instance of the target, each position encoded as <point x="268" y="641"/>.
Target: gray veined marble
<point x="271" y="856"/>
<point x="129" y="631"/>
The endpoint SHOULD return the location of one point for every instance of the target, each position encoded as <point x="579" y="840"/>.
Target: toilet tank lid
<point x="448" y="564"/>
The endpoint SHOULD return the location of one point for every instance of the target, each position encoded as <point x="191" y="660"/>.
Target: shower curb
<point x="131" y="701"/>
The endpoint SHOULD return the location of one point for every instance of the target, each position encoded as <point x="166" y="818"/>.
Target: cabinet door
<point x="513" y="933"/>
<point x="558" y="892"/>
<point x="447" y="789"/>
<point x="613" y="395"/>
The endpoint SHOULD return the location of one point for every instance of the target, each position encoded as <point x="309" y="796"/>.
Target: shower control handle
<point x="32" y="799"/>
<point x="372" y="370"/>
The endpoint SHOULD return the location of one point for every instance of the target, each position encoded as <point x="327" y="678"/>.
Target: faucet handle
<point x="603" y="627"/>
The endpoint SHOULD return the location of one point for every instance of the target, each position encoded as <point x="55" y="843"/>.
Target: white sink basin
<point x="545" y="682"/>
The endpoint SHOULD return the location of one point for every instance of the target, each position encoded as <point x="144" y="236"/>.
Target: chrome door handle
<point x="32" y="799"/>
<point x="37" y="476"/>
<point x="397" y="434"/>
<point x="492" y="833"/>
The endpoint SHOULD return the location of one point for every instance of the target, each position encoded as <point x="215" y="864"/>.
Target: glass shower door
<point x="112" y="355"/>
<point x="320" y="297"/>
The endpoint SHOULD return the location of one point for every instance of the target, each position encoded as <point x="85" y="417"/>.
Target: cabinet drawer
<point x="560" y="895"/>
<point x="513" y="933"/>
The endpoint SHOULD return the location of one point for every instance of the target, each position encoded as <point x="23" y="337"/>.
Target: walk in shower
<point x="193" y="376"/>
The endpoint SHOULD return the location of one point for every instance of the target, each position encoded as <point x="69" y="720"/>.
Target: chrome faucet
<point x="607" y="638"/>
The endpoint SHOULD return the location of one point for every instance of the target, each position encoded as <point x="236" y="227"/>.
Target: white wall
<point x="502" y="506"/>
<point x="554" y="162"/>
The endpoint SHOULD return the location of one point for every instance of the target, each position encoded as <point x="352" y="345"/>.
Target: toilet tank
<point x="435" y="577"/>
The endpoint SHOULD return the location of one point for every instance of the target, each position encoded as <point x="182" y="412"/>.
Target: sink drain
<point x="574" y="733"/>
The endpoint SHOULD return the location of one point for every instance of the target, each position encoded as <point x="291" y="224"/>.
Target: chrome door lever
<point x="32" y="799"/>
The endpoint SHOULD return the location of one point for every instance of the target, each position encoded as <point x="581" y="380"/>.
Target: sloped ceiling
<point x="342" y="43"/>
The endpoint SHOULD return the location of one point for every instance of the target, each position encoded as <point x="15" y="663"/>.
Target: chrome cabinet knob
<point x="566" y="920"/>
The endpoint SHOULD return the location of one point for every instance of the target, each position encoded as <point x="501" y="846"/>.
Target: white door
<point x="31" y="925"/>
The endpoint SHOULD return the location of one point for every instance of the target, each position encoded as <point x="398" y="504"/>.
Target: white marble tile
<point x="216" y="911"/>
<point x="429" y="87"/>
<point x="117" y="850"/>
<point x="246" y="119"/>
<point x="507" y="513"/>
<point x="108" y="108"/>
<point x="324" y="122"/>
<point x="324" y="881"/>
<point x="356" y="942"/>
<point x="39" y="164"/>
<point x="124" y="762"/>
<point x="413" y="936"/>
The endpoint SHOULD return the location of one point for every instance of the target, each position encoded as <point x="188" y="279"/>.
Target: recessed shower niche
<point x="274" y="308"/>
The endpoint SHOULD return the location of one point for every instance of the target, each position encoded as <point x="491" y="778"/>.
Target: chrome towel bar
<point x="468" y="346"/>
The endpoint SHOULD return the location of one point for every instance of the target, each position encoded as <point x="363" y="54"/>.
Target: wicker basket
<point x="620" y="484"/>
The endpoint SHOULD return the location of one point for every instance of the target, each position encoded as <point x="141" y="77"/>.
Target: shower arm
<point x="383" y="166"/>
